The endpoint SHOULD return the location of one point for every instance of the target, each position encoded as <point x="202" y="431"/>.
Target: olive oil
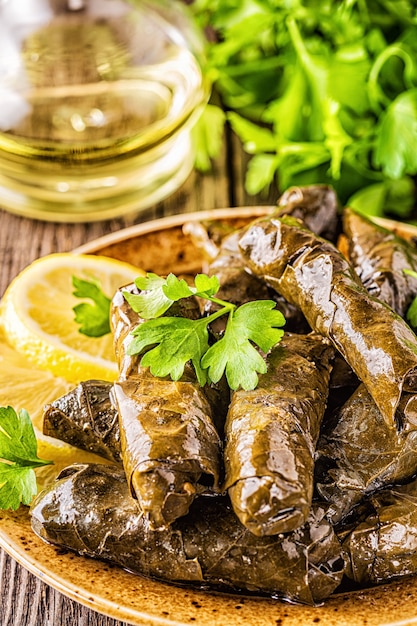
<point x="98" y="113"/>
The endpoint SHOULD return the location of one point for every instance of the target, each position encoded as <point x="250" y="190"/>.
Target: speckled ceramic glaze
<point x="163" y="246"/>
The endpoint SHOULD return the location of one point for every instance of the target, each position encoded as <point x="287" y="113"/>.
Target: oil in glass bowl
<point x="98" y="101"/>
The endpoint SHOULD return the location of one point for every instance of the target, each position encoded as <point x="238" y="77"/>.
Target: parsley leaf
<point x="178" y="340"/>
<point x="261" y="172"/>
<point x="396" y="150"/>
<point x="18" y="459"/>
<point x="158" y="293"/>
<point x="94" y="319"/>
<point x="176" y="288"/>
<point x="411" y="314"/>
<point x="258" y="322"/>
<point x="234" y="352"/>
<point x="208" y="136"/>
<point x="238" y="359"/>
<point x="17" y="486"/>
<point x="152" y="301"/>
<point x="205" y="287"/>
<point x="168" y="343"/>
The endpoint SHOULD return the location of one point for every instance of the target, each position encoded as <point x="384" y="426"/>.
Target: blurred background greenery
<point x="318" y="92"/>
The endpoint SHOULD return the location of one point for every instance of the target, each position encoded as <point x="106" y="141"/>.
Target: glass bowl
<point x="99" y="98"/>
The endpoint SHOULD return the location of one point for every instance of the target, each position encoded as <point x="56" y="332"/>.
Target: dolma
<point x="271" y="435"/>
<point x="239" y="286"/>
<point x="236" y="284"/>
<point x="379" y="257"/>
<point x="86" y="419"/>
<point x="311" y="273"/>
<point x="357" y="450"/>
<point x="343" y="382"/>
<point x="382" y="544"/>
<point x="317" y="206"/>
<point x="209" y="547"/>
<point x="170" y="447"/>
<point x="358" y="453"/>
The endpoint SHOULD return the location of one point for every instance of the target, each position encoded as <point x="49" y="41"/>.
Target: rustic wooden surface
<point x="25" y="600"/>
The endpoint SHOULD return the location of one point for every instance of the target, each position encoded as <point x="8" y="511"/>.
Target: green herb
<point x="170" y="342"/>
<point x="208" y="136"/>
<point x="411" y="315"/>
<point x="94" y="319"/>
<point x="326" y="92"/>
<point x="18" y="459"/>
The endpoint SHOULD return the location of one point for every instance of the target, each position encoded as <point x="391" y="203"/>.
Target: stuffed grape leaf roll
<point x="359" y="453"/>
<point x="311" y="273"/>
<point x="86" y="419"/>
<point x="239" y="286"/>
<point x="170" y="447"/>
<point x="379" y="257"/>
<point x="381" y="544"/>
<point x="271" y="436"/>
<point x="317" y="206"/>
<point x="90" y="510"/>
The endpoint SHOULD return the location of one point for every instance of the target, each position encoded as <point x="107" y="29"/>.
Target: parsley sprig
<point x="411" y="313"/>
<point x="93" y="317"/>
<point x="18" y="459"/>
<point x="168" y="343"/>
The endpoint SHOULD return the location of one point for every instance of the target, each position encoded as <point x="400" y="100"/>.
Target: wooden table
<point x="25" y="600"/>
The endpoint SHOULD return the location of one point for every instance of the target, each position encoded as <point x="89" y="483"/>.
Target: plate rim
<point x="170" y="221"/>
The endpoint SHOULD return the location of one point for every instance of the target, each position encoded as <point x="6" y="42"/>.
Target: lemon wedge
<point x="37" y="317"/>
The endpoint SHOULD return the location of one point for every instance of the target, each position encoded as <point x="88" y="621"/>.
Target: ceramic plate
<point x="163" y="246"/>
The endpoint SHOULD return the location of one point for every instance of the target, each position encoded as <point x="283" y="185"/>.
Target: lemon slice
<point x="37" y="315"/>
<point x="24" y="387"/>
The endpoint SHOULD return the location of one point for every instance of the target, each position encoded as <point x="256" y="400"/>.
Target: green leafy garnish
<point x="94" y="318"/>
<point x="396" y="149"/>
<point x="168" y="343"/>
<point x="325" y="93"/>
<point x="208" y="136"/>
<point x="18" y="459"/>
<point x="411" y="314"/>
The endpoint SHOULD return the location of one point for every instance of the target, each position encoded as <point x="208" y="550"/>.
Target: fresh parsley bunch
<point x="318" y="92"/>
